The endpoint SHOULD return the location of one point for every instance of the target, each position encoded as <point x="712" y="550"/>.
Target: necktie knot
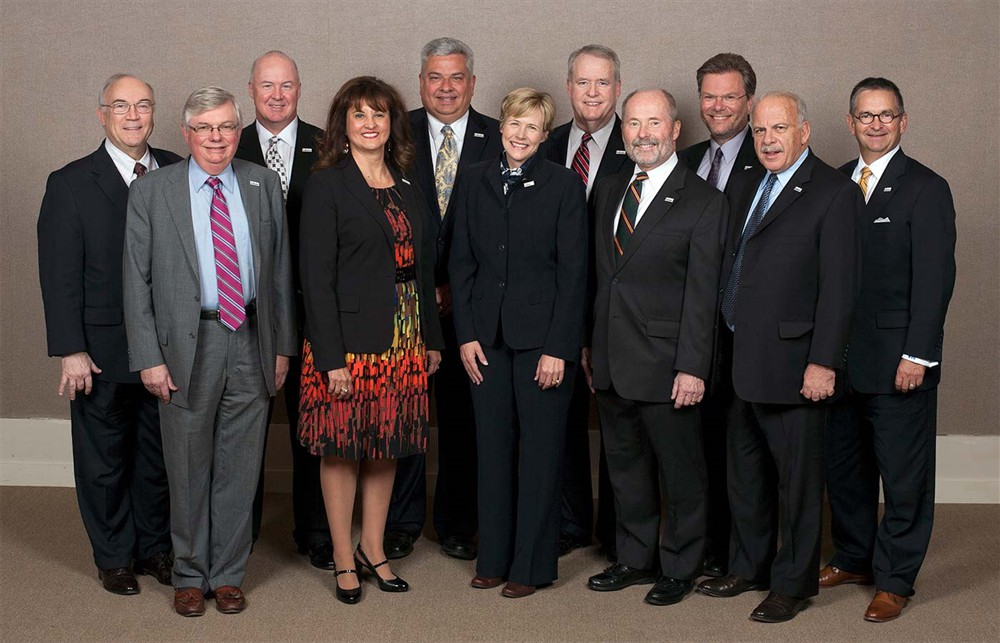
<point x="447" y="132"/>
<point x="273" y="141"/>
<point x="866" y="174"/>
<point x="140" y="169"/>
<point x="640" y="177"/>
<point x="586" y="138"/>
<point x="213" y="182"/>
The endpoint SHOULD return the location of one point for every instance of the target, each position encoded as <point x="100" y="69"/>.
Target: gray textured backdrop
<point x="55" y="55"/>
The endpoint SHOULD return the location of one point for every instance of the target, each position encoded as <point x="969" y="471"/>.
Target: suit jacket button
<point x="502" y="247"/>
<point x="197" y="298"/>
<point x="614" y="281"/>
<point x="191" y="335"/>
<point x="502" y="284"/>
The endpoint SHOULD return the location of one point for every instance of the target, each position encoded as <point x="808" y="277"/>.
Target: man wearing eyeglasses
<point x="279" y="140"/>
<point x="726" y="87"/>
<point x="210" y="316"/>
<point x="886" y="426"/>
<point x="121" y="483"/>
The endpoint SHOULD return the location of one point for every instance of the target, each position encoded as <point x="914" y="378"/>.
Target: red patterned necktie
<point x="581" y="160"/>
<point x="232" y="312"/>
<point x="140" y="169"/>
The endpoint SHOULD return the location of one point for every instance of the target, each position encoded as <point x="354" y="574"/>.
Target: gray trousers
<point x="212" y="452"/>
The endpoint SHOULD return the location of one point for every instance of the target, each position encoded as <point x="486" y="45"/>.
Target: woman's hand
<point x="549" y="372"/>
<point x="433" y="362"/>
<point x="341" y="384"/>
<point x="472" y="356"/>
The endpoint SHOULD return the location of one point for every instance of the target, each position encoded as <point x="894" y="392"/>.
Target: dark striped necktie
<point x="630" y="208"/>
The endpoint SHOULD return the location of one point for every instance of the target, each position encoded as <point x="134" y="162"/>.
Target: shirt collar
<point x="198" y="176"/>
<point x="658" y="175"/>
<point x="286" y="135"/>
<point x="601" y="136"/>
<point x="125" y="161"/>
<point x="458" y="127"/>
<point x="731" y="147"/>
<point x="877" y="166"/>
<point x="785" y="175"/>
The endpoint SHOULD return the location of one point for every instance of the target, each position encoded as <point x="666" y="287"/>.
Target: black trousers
<point x="655" y="452"/>
<point x="776" y="469"/>
<point x="121" y="481"/>
<point x="521" y="433"/>
<point x="714" y="416"/>
<point x="577" y="490"/>
<point x="455" y="491"/>
<point x="308" y="511"/>
<point x="892" y="437"/>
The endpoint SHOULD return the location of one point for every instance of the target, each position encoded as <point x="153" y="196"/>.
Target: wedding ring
<point x="913" y="386"/>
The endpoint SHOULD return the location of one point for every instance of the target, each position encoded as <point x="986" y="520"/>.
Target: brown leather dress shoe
<point x="229" y="599"/>
<point x="189" y="601"/>
<point x="831" y="576"/>
<point x="120" y="580"/>
<point x="485" y="582"/>
<point x="885" y="607"/>
<point x="517" y="590"/>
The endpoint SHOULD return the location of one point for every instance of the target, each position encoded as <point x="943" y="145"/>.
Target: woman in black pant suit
<point x="518" y="270"/>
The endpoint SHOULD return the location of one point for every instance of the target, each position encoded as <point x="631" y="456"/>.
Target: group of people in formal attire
<point x="755" y="326"/>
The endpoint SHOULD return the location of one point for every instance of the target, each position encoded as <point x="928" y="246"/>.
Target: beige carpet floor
<point x="49" y="592"/>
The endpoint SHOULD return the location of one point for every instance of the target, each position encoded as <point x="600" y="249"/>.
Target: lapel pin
<point x="478" y="135"/>
<point x="307" y="149"/>
<point x="747" y="167"/>
<point x="404" y="180"/>
<point x="797" y="188"/>
<point x="620" y="152"/>
<point x="529" y="184"/>
<point x="255" y="184"/>
<point x="669" y="199"/>
<point x="887" y="190"/>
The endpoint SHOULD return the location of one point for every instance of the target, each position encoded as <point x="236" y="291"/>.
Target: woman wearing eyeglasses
<point x="372" y="333"/>
<point x="518" y="268"/>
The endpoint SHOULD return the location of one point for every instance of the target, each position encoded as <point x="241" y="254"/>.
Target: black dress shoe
<point x="159" y="567"/>
<point x="349" y="596"/>
<point x="397" y="544"/>
<point x="119" y="581"/>
<point x="668" y="591"/>
<point x="714" y="566"/>
<point x="460" y="548"/>
<point x="320" y="555"/>
<point x="395" y="584"/>
<point x="619" y="577"/>
<point x="568" y="543"/>
<point x="778" y="609"/>
<point x="728" y="586"/>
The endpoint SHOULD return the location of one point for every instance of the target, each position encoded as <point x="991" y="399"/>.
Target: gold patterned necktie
<point x="444" y="168"/>
<point x="275" y="162"/>
<point x="866" y="174"/>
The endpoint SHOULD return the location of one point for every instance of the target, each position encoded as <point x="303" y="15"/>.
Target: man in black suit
<point x="449" y="136"/>
<point x="121" y="482"/>
<point x="278" y="139"/>
<point x="886" y="425"/>
<point x="790" y="272"/>
<point x="658" y="250"/>
<point x="726" y="87"/>
<point x="591" y="145"/>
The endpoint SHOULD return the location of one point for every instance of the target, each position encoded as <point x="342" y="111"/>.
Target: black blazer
<point x="81" y="236"/>
<point x="746" y="159"/>
<point x="613" y="161"/>
<point x="482" y="142"/>
<point x="908" y="227"/>
<point x="306" y="154"/>
<point x="347" y="255"/>
<point x="798" y="283"/>
<point x="521" y="259"/>
<point x="655" y="308"/>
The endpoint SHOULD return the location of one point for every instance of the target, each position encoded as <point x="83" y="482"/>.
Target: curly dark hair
<point x="379" y="95"/>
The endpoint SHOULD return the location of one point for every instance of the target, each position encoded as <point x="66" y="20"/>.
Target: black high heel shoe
<point x="349" y="596"/>
<point x="396" y="584"/>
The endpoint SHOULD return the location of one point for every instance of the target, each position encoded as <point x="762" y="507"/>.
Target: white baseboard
<point x="38" y="453"/>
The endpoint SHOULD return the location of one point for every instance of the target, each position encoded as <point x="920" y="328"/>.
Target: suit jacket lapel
<point x="739" y="218"/>
<point x="253" y="196"/>
<point x="473" y="146"/>
<point x="110" y="179"/>
<point x="178" y="198"/>
<point x="614" y="158"/>
<point x="304" y="156"/>
<point x="790" y="193"/>
<point x="249" y="146"/>
<point x="410" y="206"/>
<point x="888" y="185"/>
<point x="665" y="199"/>
<point x="358" y="187"/>
<point x="606" y="215"/>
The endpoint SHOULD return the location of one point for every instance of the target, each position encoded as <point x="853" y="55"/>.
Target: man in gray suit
<point x="210" y="321"/>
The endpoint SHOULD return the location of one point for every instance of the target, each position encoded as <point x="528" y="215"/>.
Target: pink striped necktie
<point x="232" y="312"/>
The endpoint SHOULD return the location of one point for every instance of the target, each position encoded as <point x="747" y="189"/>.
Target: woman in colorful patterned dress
<point x="372" y="334"/>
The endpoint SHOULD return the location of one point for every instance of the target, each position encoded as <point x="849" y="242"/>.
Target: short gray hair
<point x="800" y="105"/>
<point x="600" y="51"/>
<point x="206" y="99"/>
<point x="114" y="79"/>
<point x="671" y="102"/>
<point x="446" y="47"/>
<point x="274" y="52"/>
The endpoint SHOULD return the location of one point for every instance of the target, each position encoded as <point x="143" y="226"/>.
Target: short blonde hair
<point x="525" y="99"/>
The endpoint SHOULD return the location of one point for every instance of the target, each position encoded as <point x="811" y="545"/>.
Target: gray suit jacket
<point x="161" y="285"/>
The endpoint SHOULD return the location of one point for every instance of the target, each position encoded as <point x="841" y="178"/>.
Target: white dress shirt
<point x="597" y="146"/>
<point x="125" y="164"/>
<point x="650" y="187"/>
<point x="729" y="151"/>
<point x="286" y="143"/>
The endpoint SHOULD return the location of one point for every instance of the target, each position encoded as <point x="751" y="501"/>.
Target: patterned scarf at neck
<point x="513" y="175"/>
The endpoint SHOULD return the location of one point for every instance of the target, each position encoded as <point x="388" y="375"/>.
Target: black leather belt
<point x="213" y="315"/>
<point x="409" y="273"/>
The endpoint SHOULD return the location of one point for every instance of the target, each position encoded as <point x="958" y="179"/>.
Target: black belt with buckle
<point x="213" y="315"/>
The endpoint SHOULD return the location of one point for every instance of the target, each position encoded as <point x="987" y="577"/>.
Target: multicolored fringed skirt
<point x="386" y="416"/>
